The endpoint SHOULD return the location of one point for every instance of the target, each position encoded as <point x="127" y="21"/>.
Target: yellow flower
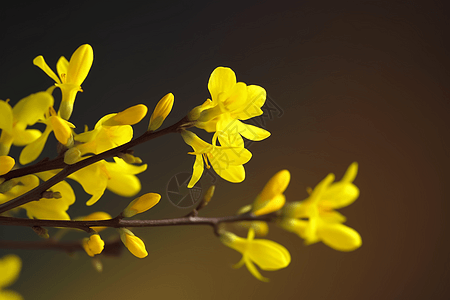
<point x="324" y="223"/>
<point x="110" y="131"/>
<point x="134" y="244"/>
<point x="227" y="160"/>
<point x="161" y="112"/>
<point x="271" y="198"/>
<point x="268" y="255"/>
<point x="10" y="266"/>
<point x="71" y="75"/>
<point x="53" y="209"/>
<point x="60" y="127"/>
<point x="14" y="121"/>
<point x="141" y="204"/>
<point x="118" y="177"/>
<point x="93" y="245"/>
<point x="231" y="102"/>
<point x="6" y="164"/>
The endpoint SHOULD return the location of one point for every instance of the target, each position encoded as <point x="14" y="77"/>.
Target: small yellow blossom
<point x="231" y="102"/>
<point x="110" y="131"/>
<point x="161" y="112"/>
<point x="10" y="266"/>
<point x="271" y="198"/>
<point x="141" y="204"/>
<point x="268" y="255"/>
<point x="324" y="223"/>
<point x="71" y="75"/>
<point x="52" y="209"/>
<point x="226" y="160"/>
<point x="96" y="244"/>
<point x="134" y="244"/>
<point x="14" y="121"/>
<point x="60" y="127"/>
<point x="118" y="177"/>
<point x="6" y="164"/>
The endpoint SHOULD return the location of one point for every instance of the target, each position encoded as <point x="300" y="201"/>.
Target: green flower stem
<point x="36" y="193"/>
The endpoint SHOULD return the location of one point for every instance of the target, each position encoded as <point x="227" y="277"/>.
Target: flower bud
<point x="93" y="245"/>
<point x="271" y="198"/>
<point x="134" y="244"/>
<point x="72" y="156"/>
<point x="141" y="204"/>
<point x="161" y="112"/>
<point x="129" y="116"/>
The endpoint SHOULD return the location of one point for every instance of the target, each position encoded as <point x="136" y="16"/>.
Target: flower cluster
<point x="101" y="158"/>
<point x="230" y="102"/>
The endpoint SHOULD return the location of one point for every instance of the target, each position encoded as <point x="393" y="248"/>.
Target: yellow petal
<point x="161" y="112"/>
<point x="339" y="236"/>
<point x="93" y="179"/>
<point x="79" y="65"/>
<point x="62" y="66"/>
<point x="268" y="255"/>
<point x="25" y="137"/>
<point x="61" y="129"/>
<point x="272" y="205"/>
<point x="236" y="99"/>
<point x="10" y="266"/>
<point x="251" y="132"/>
<point x="34" y="149"/>
<point x="276" y="185"/>
<point x="332" y="216"/>
<point x="6" y="117"/>
<point x="40" y="62"/>
<point x="222" y="79"/>
<point x="197" y="171"/>
<point x="32" y="108"/>
<point x="52" y="209"/>
<point x="351" y="173"/>
<point x="340" y="194"/>
<point x="256" y="96"/>
<point x="6" y="164"/>
<point x="228" y="172"/>
<point x="252" y="269"/>
<point x="129" y="116"/>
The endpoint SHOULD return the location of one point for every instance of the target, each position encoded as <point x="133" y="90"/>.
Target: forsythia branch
<point x="118" y="222"/>
<point x="36" y="193"/>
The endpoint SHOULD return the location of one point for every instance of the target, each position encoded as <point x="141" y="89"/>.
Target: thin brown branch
<point x="119" y="223"/>
<point x="36" y="193"/>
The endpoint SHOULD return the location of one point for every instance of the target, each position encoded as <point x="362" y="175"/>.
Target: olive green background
<point x="362" y="81"/>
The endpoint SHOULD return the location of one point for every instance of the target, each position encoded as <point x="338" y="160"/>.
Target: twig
<point x="36" y="193"/>
<point x="119" y="223"/>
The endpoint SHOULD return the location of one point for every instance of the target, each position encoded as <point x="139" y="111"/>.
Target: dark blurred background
<point x="347" y="81"/>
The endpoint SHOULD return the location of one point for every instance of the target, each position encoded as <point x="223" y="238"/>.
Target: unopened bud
<point x="42" y="232"/>
<point x="161" y="112"/>
<point x="141" y="204"/>
<point x="134" y="244"/>
<point x="72" y="156"/>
